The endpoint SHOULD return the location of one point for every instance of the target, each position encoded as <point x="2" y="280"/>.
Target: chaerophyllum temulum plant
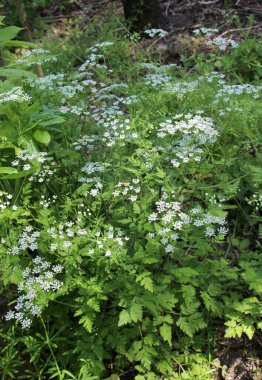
<point x="119" y="236"/>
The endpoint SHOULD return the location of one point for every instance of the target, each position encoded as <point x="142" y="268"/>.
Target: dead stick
<point x="240" y="29"/>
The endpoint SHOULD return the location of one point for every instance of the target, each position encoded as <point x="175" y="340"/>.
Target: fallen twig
<point x="240" y="29"/>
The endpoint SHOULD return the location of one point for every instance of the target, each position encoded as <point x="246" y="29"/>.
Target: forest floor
<point x="181" y="17"/>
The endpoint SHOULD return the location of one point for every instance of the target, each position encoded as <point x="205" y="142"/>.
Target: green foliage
<point x="114" y="206"/>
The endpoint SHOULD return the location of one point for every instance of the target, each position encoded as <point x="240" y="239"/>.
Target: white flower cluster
<point x="89" y="169"/>
<point x="69" y="91"/>
<point x="44" y="174"/>
<point x="255" y="200"/>
<point x="27" y="240"/>
<point x="156" y="32"/>
<point x="151" y="66"/>
<point x="202" y="128"/>
<point x="63" y="235"/>
<point x="115" y="127"/>
<point x="222" y="43"/>
<point x="76" y="110"/>
<point x="183" y="88"/>
<point x="118" y="129"/>
<point x="170" y="216"/>
<point x="213" y="76"/>
<point x="132" y="99"/>
<point x="128" y="189"/>
<point x="27" y="159"/>
<point x="58" y="84"/>
<point x="225" y="111"/>
<point x="5" y="201"/>
<point x="31" y="57"/>
<point x="49" y="82"/>
<point x="157" y="80"/>
<point x="26" y="155"/>
<point x="47" y="202"/>
<point x="111" y="88"/>
<point x="87" y="142"/>
<point x="93" y="167"/>
<point x="93" y="62"/>
<point x="15" y="95"/>
<point x="35" y="51"/>
<point x="206" y="31"/>
<point x="101" y="45"/>
<point x="36" y="280"/>
<point x="189" y="132"/>
<point x="237" y="89"/>
<point x="111" y="242"/>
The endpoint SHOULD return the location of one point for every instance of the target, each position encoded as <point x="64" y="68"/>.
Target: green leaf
<point x="114" y="377"/>
<point x="17" y="73"/>
<point x="42" y="136"/>
<point x="7" y="170"/>
<point x="21" y="174"/>
<point x="8" y="33"/>
<point x="191" y="324"/>
<point x="136" y="208"/>
<point x="21" y="43"/>
<point x="87" y="323"/>
<point x="166" y="333"/>
<point x="136" y="312"/>
<point x="124" y="318"/>
<point x="249" y="330"/>
<point x="148" y="284"/>
<point x="150" y="260"/>
<point x="55" y="120"/>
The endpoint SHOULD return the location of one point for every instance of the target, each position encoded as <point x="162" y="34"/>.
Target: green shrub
<point x="130" y="208"/>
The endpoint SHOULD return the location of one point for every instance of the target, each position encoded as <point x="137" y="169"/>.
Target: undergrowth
<point x="130" y="205"/>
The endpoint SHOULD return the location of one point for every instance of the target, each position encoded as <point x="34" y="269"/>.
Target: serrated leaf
<point x="166" y="333"/>
<point x="231" y="323"/>
<point x="230" y="333"/>
<point x="185" y="326"/>
<point x="249" y="330"/>
<point x="191" y="324"/>
<point x="124" y="318"/>
<point x="93" y="304"/>
<point x="87" y="323"/>
<point x="136" y="312"/>
<point x="148" y="284"/>
<point x="136" y="208"/>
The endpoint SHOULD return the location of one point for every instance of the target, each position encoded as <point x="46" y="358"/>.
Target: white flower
<point x="210" y="232"/>
<point x="156" y="32"/>
<point x="26" y="167"/>
<point x="14" y="95"/>
<point x="169" y="248"/>
<point x="152" y="217"/>
<point x="67" y="244"/>
<point x="53" y="247"/>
